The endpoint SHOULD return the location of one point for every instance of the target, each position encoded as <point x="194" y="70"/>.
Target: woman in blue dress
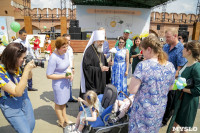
<point x="151" y="82"/>
<point x="56" y="70"/>
<point x="120" y="67"/>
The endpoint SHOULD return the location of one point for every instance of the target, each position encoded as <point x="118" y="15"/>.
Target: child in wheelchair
<point x="120" y="109"/>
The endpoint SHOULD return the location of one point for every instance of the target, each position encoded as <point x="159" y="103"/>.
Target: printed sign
<point x="3" y="31"/>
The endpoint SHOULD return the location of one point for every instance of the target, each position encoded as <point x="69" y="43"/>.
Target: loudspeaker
<point x="74" y="23"/>
<point x="75" y="36"/>
<point x="83" y="35"/>
<point x="183" y="27"/>
<point x="158" y="27"/>
<point x="77" y="23"/>
<point x="52" y="29"/>
<point x="74" y="30"/>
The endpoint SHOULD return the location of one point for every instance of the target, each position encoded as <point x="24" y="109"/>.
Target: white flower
<point x="113" y="50"/>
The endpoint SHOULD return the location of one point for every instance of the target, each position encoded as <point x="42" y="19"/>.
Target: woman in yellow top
<point x="14" y="101"/>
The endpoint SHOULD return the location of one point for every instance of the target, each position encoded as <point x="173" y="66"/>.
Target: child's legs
<point x="78" y="118"/>
<point x="116" y="105"/>
<point x="80" y="128"/>
<point x="124" y="108"/>
<point x="124" y="105"/>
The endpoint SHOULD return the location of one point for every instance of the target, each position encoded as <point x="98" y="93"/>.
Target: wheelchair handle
<point x="128" y="99"/>
<point x="84" y="112"/>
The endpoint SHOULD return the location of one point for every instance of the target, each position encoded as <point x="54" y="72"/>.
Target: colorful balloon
<point x="2" y="27"/>
<point x="15" y="26"/>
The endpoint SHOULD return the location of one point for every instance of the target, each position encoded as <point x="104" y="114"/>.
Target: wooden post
<point x="63" y="27"/>
<point x="196" y="31"/>
<point x="28" y="24"/>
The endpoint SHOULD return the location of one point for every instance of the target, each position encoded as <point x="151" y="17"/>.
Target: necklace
<point x="100" y="63"/>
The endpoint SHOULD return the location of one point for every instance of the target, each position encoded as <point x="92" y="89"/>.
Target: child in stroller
<point x="120" y="109"/>
<point x="93" y="110"/>
<point x="106" y="101"/>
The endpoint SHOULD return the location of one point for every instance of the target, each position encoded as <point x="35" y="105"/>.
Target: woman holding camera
<point x="56" y="70"/>
<point x="14" y="101"/>
<point x="190" y="97"/>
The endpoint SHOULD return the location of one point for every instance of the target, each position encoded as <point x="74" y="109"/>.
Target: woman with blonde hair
<point x="93" y="110"/>
<point x="151" y="82"/>
<point x="56" y="70"/>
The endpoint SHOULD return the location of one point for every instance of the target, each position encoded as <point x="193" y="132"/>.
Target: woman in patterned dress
<point x="151" y="82"/>
<point x="120" y="67"/>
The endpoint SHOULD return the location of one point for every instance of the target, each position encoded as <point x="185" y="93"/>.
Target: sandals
<point x="60" y="124"/>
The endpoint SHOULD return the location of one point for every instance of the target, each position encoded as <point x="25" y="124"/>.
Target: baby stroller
<point x="102" y="125"/>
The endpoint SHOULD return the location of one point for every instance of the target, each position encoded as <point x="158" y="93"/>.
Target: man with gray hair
<point x="95" y="71"/>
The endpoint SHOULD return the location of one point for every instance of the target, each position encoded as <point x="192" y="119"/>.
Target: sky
<point x="176" y="6"/>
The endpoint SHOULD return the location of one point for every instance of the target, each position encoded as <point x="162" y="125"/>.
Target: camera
<point x="38" y="62"/>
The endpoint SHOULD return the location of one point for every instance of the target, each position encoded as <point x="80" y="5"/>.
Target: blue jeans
<point x="70" y="98"/>
<point x="19" y="113"/>
<point x="30" y="84"/>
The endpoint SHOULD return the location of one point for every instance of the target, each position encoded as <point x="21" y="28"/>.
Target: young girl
<point x="93" y="110"/>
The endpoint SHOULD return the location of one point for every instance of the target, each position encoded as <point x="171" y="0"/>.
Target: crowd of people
<point x="152" y="67"/>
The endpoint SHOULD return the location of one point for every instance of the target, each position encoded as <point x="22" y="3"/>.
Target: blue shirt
<point x="106" y="49"/>
<point x="175" y="55"/>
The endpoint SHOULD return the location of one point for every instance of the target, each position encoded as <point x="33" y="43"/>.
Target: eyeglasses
<point x="126" y="32"/>
<point x="121" y="42"/>
<point x="180" y="38"/>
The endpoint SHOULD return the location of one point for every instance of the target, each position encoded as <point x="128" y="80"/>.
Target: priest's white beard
<point x="98" y="48"/>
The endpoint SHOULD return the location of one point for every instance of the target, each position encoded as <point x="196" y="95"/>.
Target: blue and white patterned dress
<point x="150" y="101"/>
<point x="119" y="79"/>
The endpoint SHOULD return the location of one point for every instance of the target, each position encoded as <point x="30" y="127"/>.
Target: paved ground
<point x="42" y="101"/>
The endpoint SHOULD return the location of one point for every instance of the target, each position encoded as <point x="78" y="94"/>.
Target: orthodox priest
<point x="95" y="70"/>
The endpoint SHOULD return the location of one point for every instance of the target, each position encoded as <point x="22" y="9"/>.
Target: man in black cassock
<point x="95" y="66"/>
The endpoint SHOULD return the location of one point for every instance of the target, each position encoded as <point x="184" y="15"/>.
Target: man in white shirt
<point x="22" y="40"/>
<point x="71" y="57"/>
